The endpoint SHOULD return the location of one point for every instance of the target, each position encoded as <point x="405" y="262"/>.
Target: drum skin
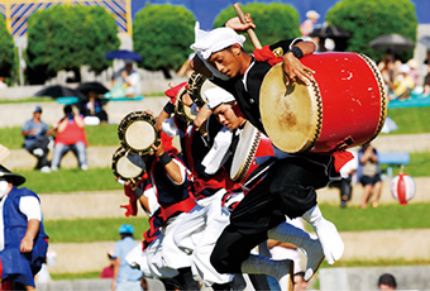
<point x="252" y="145"/>
<point x="123" y="168"/>
<point x="345" y="105"/>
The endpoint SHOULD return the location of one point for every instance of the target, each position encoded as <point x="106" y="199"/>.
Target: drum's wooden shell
<point x="346" y="104"/>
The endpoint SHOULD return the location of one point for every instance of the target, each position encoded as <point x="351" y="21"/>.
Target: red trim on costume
<point x="173" y="92"/>
<point x="131" y="208"/>
<point x="341" y="158"/>
<point x="265" y="54"/>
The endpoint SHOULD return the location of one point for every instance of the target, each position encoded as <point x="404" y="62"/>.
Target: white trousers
<point x="197" y="234"/>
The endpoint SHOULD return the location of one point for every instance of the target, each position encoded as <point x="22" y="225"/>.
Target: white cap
<point x="404" y="69"/>
<point x="207" y="43"/>
<point x="312" y="14"/>
<point x="217" y="96"/>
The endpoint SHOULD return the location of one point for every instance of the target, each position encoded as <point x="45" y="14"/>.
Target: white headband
<point x="217" y="96"/>
<point x="207" y="43"/>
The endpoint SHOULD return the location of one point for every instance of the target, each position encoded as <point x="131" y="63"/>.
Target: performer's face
<point x="227" y="61"/>
<point x="227" y="117"/>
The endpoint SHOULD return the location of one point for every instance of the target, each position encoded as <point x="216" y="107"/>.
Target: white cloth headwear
<point x="207" y="43"/>
<point x="217" y="96"/>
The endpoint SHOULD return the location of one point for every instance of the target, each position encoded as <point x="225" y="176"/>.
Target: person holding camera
<point x="71" y="136"/>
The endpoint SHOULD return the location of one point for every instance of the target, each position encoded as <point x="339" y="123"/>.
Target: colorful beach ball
<point x="403" y="188"/>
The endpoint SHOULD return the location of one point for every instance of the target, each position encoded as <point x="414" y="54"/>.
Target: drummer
<point x="208" y="218"/>
<point x="224" y="109"/>
<point x="221" y="58"/>
<point x="167" y="178"/>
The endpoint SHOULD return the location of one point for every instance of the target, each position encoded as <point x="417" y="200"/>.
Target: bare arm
<point x="27" y="242"/>
<point x="161" y="117"/>
<point x="79" y="121"/>
<point x="62" y="126"/>
<point x="201" y="118"/>
<point x="172" y="168"/>
<point x="116" y="264"/>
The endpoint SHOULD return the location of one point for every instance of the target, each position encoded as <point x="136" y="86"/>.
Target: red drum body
<point x="251" y="146"/>
<point x="345" y="106"/>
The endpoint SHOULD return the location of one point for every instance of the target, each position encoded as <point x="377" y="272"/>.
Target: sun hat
<point x="312" y="14"/>
<point x="13" y="178"/>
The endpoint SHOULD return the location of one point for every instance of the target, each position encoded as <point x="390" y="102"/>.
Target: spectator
<point x="414" y="73"/>
<point x="308" y="25"/>
<point x="71" y="136"/>
<point x="345" y="183"/>
<point x="93" y="107"/>
<point x="23" y="241"/>
<point x="403" y="84"/>
<point x="108" y="271"/>
<point x="124" y="277"/>
<point x="36" y="139"/>
<point x="369" y="175"/>
<point x="128" y="79"/>
<point x="387" y="282"/>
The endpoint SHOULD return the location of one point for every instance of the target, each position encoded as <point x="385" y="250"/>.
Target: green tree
<point x="274" y="22"/>
<point x="369" y="19"/>
<point x="67" y="37"/>
<point x="7" y="53"/>
<point x="162" y="35"/>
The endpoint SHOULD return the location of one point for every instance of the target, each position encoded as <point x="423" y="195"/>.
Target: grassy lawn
<point x="410" y="120"/>
<point x="387" y="217"/>
<point x="71" y="180"/>
<point x="92" y="230"/>
<point x="103" y="135"/>
<point x="27" y="100"/>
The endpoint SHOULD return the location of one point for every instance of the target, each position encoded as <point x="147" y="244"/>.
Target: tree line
<point x="67" y="37"/>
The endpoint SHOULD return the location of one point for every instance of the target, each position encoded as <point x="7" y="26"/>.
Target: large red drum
<point x="345" y="106"/>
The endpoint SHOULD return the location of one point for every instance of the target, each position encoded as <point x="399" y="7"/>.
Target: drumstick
<point x="4" y="152"/>
<point x="250" y="31"/>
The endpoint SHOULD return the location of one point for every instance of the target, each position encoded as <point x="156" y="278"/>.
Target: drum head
<point x="137" y="133"/>
<point x="122" y="167"/>
<point x="245" y="152"/>
<point x="291" y="115"/>
<point x="140" y="135"/>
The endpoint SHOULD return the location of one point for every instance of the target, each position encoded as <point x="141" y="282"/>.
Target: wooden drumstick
<point x="250" y="31"/>
<point x="4" y="152"/>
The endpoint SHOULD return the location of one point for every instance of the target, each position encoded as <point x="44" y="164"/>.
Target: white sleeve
<point x="183" y="170"/>
<point x="152" y="200"/>
<point x="169" y="127"/>
<point x="30" y="206"/>
<point x="295" y="41"/>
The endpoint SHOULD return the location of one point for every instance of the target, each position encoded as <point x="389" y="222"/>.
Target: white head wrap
<point x="217" y="96"/>
<point x="207" y="43"/>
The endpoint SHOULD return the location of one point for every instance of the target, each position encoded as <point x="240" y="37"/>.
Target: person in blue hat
<point x="23" y="241"/>
<point x="37" y="138"/>
<point x="124" y="277"/>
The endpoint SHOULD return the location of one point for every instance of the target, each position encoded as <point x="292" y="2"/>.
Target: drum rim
<point x="242" y="171"/>
<point x="127" y="121"/>
<point x="382" y="93"/>
<point x="316" y="103"/>
<point x="120" y="153"/>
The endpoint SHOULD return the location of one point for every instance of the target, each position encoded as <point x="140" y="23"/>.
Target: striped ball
<point x="403" y="188"/>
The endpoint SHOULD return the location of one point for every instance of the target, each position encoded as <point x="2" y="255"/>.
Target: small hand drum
<point x="124" y="168"/>
<point x="183" y="112"/>
<point x="137" y="133"/>
<point x="252" y="144"/>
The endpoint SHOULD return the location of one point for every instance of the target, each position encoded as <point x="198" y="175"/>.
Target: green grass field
<point x="385" y="217"/>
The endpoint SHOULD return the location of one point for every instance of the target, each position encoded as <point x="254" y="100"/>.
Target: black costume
<point x="288" y="189"/>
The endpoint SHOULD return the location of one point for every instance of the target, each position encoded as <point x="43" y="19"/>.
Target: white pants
<point x="198" y="233"/>
<point x="150" y="261"/>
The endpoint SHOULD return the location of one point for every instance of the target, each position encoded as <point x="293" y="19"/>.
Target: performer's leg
<point x="192" y="223"/>
<point x="185" y="278"/>
<point x="327" y="233"/>
<point x="286" y="232"/>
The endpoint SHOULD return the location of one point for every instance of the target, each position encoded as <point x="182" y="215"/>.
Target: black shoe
<point x="343" y="204"/>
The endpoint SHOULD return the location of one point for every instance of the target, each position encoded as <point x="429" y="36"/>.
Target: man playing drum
<point x="208" y="218"/>
<point x="289" y="187"/>
<point x="167" y="176"/>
